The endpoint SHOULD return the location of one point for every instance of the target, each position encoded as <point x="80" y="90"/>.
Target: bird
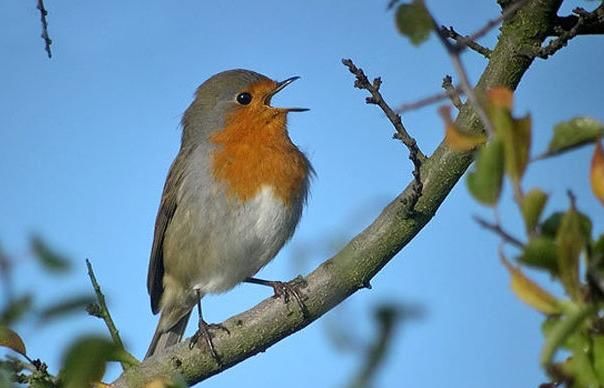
<point x="233" y="197"/>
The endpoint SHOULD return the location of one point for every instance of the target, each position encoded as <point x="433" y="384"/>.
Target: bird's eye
<point x="244" y="98"/>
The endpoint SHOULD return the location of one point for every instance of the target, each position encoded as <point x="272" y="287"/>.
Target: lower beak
<point x="280" y="86"/>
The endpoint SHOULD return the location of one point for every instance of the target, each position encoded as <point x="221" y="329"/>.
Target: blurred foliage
<point x="84" y="361"/>
<point x="561" y="244"/>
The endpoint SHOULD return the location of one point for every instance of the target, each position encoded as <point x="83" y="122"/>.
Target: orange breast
<point x="254" y="150"/>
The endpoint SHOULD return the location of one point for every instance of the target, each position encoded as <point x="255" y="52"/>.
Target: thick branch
<point x="357" y="263"/>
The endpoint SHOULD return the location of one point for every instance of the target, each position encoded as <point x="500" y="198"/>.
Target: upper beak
<point x="280" y="86"/>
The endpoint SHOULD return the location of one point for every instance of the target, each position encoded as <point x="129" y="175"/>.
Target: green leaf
<point x="581" y="367"/>
<point x="574" y="133"/>
<point x="570" y="241"/>
<point x="598" y="356"/>
<point x="550" y="226"/>
<point x="85" y="360"/>
<point x="75" y="304"/>
<point x="10" y="339"/>
<point x="540" y="252"/>
<point x="49" y="259"/>
<point x="532" y="206"/>
<point x="559" y="332"/>
<point x="485" y="180"/>
<point x="16" y="309"/>
<point x="414" y="21"/>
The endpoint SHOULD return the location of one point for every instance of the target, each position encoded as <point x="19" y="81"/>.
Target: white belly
<point x="245" y="241"/>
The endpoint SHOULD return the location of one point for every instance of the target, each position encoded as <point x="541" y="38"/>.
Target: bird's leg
<point x="203" y="331"/>
<point x="282" y="290"/>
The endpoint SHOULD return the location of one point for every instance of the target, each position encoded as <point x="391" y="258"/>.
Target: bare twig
<point x="455" y="49"/>
<point x="102" y="312"/>
<point x="429" y="100"/>
<point x="391" y="4"/>
<point x="564" y="36"/>
<point x="452" y="92"/>
<point x="45" y="36"/>
<point x="415" y="154"/>
<point x="454" y="52"/>
<point x="593" y="24"/>
<point x="465" y="40"/>
<point x="497" y="229"/>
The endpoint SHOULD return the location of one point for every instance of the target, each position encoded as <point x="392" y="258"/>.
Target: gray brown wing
<point x="165" y="213"/>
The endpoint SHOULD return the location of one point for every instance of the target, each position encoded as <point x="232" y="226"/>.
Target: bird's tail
<point x="166" y="338"/>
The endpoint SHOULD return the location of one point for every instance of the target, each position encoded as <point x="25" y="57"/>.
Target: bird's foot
<point x="285" y="290"/>
<point x="203" y="330"/>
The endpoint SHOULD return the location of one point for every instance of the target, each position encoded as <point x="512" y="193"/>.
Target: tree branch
<point x="452" y="92"/>
<point x="465" y="40"/>
<point x="357" y="263"/>
<point x="566" y="34"/>
<point x="415" y="154"/>
<point x="45" y="36"/>
<point x="100" y="310"/>
<point x="593" y="25"/>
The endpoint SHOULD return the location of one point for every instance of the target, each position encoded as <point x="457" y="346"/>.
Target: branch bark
<point x="351" y="269"/>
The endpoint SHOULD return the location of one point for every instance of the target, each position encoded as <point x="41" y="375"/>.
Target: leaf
<point x="414" y="21"/>
<point x="530" y="292"/>
<point x="597" y="172"/>
<point x="598" y="356"/>
<point x="49" y="259"/>
<point x="550" y="226"/>
<point x="84" y="362"/>
<point x="532" y="206"/>
<point x="67" y="306"/>
<point x="574" y="133"/>
<point x="486" y="179"/>
<point x="570" y="240"/>
<point x="515" y="133"/>
<point x="456" y="139"/>
<point x="501" y="97"/>
<point x="15" y="310"/>
<point x="540" y="252"/>
<point x="10" y="339"/>
<point x="581" y="367"/>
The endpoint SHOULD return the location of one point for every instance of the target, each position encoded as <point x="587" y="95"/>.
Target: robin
<point x="233" y="197"/>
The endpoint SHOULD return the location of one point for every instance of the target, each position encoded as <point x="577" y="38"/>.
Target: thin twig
<point x="454" y="53"/>
<point x="452" y="92"/>
<point x="465" y="40"/>
<point x="455" y="49"/>
<point x="497" y="229"/>
<point x="564" y="36"/>
<point x="127" y="359"/>
<point x="593" y="24"/>
<point x="415" y="154"/>
<point x="45" y="36"/>
<point x="428" y="100"/>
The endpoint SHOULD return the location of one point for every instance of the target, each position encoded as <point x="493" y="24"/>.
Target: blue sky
<point x="87" y="139"/>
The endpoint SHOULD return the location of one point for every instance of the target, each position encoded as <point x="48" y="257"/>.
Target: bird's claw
<point x="285" y="290"/>
<point x="203" y="330"/>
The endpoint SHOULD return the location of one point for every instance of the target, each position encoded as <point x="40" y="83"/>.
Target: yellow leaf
<point x="10" y="339"/>
<point x="530" y="292"/>
<point x="456" y="139"/>
<point x="597" y="172"/>
<point x="501" y="97"/>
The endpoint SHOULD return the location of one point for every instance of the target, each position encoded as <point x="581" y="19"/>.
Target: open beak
<point x="280" y="86"/>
